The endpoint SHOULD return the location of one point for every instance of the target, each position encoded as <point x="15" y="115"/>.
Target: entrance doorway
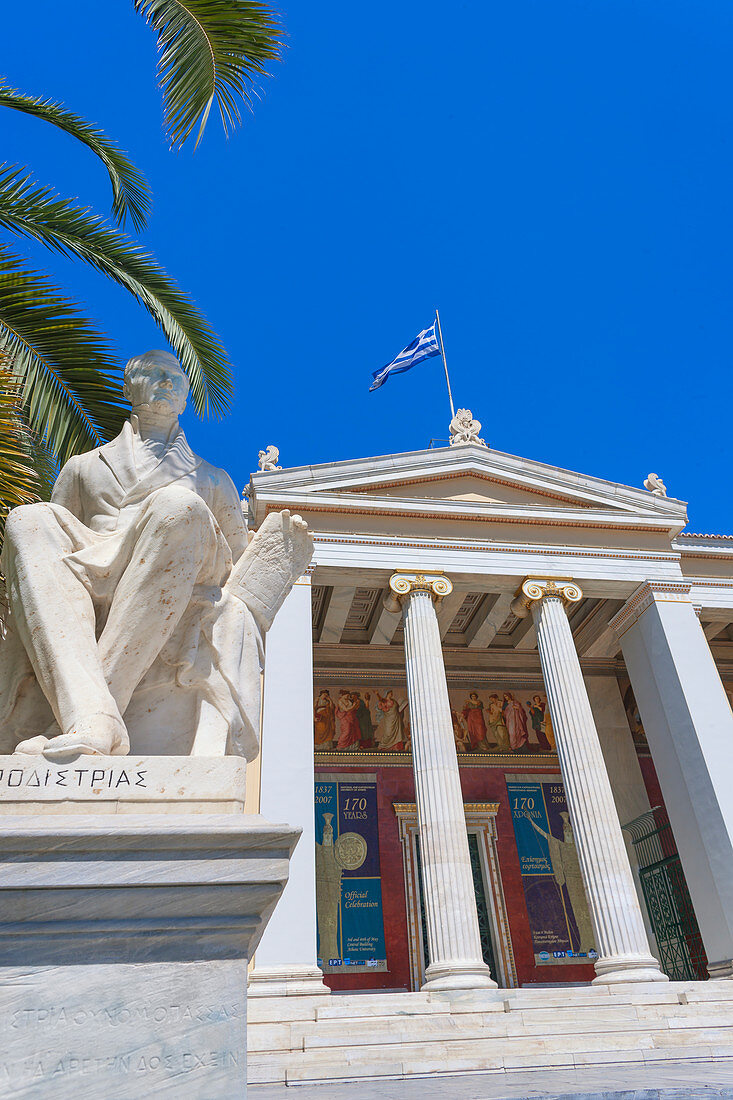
<point x="679" y="943"/>
<point x="490" y="905"/>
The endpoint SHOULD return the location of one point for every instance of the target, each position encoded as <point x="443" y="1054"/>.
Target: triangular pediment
<point x="469" y="485"/>
<point x="470" y="480"/>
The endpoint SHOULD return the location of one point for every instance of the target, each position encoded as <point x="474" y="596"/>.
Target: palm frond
<point x="36" y="212"/>
<point x="130" y="189"/>
<point x="20" y="482"/>
<point x="210" y="51"/>
<point x="71" y="384"/>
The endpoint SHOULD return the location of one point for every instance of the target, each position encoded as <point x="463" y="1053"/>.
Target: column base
<point x="286" y="981"/>
<point x="618" y="969"/>
<point x="723" y="969"/>
<point x="468" y="975"/>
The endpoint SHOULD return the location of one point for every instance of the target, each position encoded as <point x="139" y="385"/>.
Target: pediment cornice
<point x="383" y="486"/>
<point x="453" y="510"/>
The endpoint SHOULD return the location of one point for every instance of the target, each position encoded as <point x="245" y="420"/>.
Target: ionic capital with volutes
<point x="534" y="589"/>
<point x="404" y="584"/>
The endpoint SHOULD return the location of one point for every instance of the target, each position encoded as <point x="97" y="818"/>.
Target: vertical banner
<point x="348" y="877"/>
<point x="553" y="885"/>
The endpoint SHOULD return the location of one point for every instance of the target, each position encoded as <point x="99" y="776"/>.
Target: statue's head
<point x="156" y="380"/>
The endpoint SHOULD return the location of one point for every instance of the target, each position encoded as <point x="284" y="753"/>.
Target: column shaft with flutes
<point x="454" y="941"/>
<point x="621" y="941"/>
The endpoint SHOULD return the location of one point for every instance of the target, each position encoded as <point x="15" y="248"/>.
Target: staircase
<point x="294" y="1040"/>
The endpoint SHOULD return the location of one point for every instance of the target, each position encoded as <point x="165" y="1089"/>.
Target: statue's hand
<point x="298" y="535"/>
<point x="276" y="557"/>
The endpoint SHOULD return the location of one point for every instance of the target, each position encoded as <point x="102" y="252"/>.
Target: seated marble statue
<point x="137" y="606"/>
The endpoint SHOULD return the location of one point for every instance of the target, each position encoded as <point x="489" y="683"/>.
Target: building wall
<point x="395" y="783"/>
<point x="484" y="780"/>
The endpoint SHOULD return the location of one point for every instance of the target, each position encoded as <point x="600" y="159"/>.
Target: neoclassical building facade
<point x="499" y="706"/>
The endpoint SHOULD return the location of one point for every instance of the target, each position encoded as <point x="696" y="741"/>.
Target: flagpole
<point x="445" y="365"/>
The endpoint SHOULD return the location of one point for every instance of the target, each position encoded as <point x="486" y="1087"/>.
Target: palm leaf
<point x="71" y="384"/>
<point x="210" y="51"/>
<point x="38" y="213"/>
<point x="130" y="189"/>
<point x="20" y="482"/>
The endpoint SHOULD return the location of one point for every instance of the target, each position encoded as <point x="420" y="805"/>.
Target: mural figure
<point x="364" y="718"/>
<point x="390" y="733"/>
<point x="375" y="720"/>
<point x="473" y="712"/>
<point x="549" y="732"/>
<point x="324" y="724"/>
<point x="460" y="732"/>
<point x="497" y="726"/>
<point x="328" y="894"/>
<point x="566" y="872"/>
<point x="634" y="718"/>
<point x="515" y="720"/>
<point x="539" y="715"/>
<point x="347" y="721"/>
<point x="406" y="728"/>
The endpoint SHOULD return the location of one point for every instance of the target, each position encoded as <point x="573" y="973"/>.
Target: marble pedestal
<point x="125" y="939"/>
<point x="122" y="785"/>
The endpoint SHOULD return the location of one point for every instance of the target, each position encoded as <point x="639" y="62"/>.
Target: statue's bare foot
<point x="34" y="746"/>
<point x="100" y="735"/>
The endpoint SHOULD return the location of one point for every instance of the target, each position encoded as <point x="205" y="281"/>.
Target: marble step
<point x="330" y="1006"/>
<point x="471" y="1059"/>
<point x="401" y="1006"/>
<point x="353" y="1006"/>
<point x="391" y="1030"/>
<point x="461" y="1053"/>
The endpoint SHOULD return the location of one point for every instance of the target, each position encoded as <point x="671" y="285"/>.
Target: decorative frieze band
<point x="534" y="589"/>
<point x="645" y="595"/>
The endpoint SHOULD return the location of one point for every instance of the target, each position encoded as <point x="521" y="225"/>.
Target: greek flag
<point x="422" y="347"/>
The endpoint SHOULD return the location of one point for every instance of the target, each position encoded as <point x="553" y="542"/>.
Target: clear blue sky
<point x="556" y="176"/>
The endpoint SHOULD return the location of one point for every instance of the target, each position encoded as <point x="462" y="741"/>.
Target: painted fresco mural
<point x="553" y="885"/>
<point x="633" y="715"/>
<point x="486" y="720"/>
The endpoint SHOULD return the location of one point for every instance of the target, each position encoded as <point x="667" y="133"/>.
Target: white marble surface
<point x="268" y="459"/>
<point x="286" y="958"/>
<point x="454" y="941"/>
<point x="137" y="605"/>
<point x="624" y="772"/>
<point x="130" y="784"/>
<point x="372" y="1036"/>
<point x="689" y="725"/>
<point x="621" y="941"/>
<point x="464" y="429"/>
<point x="124" y="949"/>
<point x="117" y="1032"/>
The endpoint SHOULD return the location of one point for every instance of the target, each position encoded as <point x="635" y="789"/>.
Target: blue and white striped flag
<point x="422" y="347"/>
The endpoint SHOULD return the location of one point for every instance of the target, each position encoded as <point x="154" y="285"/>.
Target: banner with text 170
<point x="348" y="879"/>
<point x="553" y="884"/>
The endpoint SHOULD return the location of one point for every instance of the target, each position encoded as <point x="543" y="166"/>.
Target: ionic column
<point x="621" y="941"/>
<point x="454" y="942"/>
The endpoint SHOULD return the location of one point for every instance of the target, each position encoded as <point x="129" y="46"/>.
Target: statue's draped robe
<point x="205" y="682"/>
